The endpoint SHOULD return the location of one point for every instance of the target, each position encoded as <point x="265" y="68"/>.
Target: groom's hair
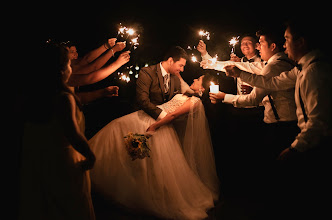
<point x="176" y="53"/>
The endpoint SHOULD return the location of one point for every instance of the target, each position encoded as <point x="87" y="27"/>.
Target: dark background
<point x="160" y="25"/>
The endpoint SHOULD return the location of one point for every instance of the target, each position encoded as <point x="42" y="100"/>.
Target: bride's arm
<point x="183" y="109"/>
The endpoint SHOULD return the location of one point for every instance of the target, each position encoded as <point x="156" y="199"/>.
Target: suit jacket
<point x="150" y="90"/>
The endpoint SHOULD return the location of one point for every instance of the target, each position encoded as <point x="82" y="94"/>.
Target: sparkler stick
<point x="233" y="42"/>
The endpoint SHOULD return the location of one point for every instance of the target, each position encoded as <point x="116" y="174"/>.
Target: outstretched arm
<point x="98" y="62"/>
<point x="96" y="76"/>
<point x="183" y="109"/>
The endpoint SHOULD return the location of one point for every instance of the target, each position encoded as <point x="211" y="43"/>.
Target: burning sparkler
<point x="134" y="42"/>
<point x="204" y="34"/>
<point x="233" y="42"/>
<point x="123" y="77"/>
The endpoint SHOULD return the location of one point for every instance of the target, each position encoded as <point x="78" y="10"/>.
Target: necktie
<point x="166" y="82"/>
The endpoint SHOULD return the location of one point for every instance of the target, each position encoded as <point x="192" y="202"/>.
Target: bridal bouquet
<point x="137" y="145"/>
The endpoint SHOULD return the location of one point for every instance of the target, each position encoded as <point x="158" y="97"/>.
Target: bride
<point x="178" y="180"/>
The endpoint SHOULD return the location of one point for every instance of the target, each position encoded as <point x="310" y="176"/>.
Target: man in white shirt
<point x="307" y="160"/>
<point x="279" y="106"/>
<point x="248" y="48"/>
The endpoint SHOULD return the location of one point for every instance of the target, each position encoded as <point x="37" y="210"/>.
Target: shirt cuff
<point x="161" y="115"/>
<point x="229" y="98"/>
<point x="206" y="56"/>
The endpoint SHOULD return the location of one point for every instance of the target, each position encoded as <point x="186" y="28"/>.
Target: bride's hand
<point x="151" y="130"/>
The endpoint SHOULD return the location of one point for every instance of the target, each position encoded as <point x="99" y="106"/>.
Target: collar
<point x="163" y="71"/>
<point x="306" y="59"/>
<point x="277" y="56"/>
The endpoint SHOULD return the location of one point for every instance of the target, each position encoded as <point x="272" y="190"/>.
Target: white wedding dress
<point x="177" y="181"/>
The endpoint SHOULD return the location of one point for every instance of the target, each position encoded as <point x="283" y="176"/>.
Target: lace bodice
<point x="177" y="101"/>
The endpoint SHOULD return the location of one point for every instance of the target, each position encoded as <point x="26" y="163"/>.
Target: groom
<point x="158" y="84"/>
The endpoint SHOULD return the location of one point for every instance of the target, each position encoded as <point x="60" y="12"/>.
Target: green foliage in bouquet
<point x="137" y="145"/>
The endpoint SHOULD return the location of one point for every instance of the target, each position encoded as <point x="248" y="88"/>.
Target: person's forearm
<point x="96" y="76"/>
<point x="96" y="64"/>
<point x="92" y="55"/>
<point x="87" y="97"/>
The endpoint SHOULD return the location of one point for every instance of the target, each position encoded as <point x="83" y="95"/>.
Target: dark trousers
<point x="302" y="184"/>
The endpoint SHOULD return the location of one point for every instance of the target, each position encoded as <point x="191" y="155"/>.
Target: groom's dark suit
<point x="150" y="90"/>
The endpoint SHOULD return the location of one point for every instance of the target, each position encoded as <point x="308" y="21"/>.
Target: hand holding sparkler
<point x="123" y="58"/>
<point x="233" y="42"/>
<point x="201" y="47"/>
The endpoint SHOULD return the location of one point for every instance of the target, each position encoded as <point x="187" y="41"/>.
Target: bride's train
<point x="175" y="182"/>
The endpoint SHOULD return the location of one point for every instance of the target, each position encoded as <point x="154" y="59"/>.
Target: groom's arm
<point x="143" y="85"/>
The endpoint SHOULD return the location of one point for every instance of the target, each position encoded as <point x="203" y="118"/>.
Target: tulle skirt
<point x="163" y="184"/>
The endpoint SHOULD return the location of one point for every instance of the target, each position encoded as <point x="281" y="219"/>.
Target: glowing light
<point x="130" y="31"/>
<point x="214" y="59"/>
<point x="194" y="59"/>
<point x="233" y="42"/>
<point x="203" y="33"/>
<point x="214" y="88"/>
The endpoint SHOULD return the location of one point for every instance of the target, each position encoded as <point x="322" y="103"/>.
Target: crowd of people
<point x="273" y="139"/>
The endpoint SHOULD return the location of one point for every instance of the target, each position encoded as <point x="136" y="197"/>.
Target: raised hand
<point x="123" y="58"/>
<point x="119" y="46"/>
<point x="201" y="47"/>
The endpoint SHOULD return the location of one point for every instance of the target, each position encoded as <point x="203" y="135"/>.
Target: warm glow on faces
<point x="197" y="84"/>
<point x="248" y="47"/>
<point x="176" y="67"/>
<point x="265" y="50"/>
<point x="289" y="45"/>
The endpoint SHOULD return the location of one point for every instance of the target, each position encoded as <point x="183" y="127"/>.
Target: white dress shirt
<point x="219" y="65"/>
<point x="314" y="84"/>
<point x="163" y="73"/>
<point x="283" y="100"/>
<point x="185" y="88"/>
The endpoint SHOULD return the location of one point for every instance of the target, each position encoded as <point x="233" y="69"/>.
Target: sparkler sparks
<point x="204" y="34"/>
<point x="233" y="42"/>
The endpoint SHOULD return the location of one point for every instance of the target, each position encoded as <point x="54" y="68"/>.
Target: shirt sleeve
<point x="317" y="103"/>
<point x="286" y="80"/>
<point x="253" y="99"/>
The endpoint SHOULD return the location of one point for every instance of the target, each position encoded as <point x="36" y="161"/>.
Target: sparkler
<point x="194" y="58"/>
<point x="121" y="30"/>
<point x="204" y="34"/>
<point x="134" y="42"/>
<point x="233" y="42"/>
<point x="124" y="77"/>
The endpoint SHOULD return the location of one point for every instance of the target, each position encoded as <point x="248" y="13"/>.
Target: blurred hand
<point x="206" y="64"/>
<point x="245" y="89"/>
<point x="119" y="46"/>
<point x="232" y="70"/>
<point x="217" y="97"/>
<point x="123" y="58"/>
<point x="111" y="91"/>
<point x="235" y="58"/>
<point x="201" y="47"/>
